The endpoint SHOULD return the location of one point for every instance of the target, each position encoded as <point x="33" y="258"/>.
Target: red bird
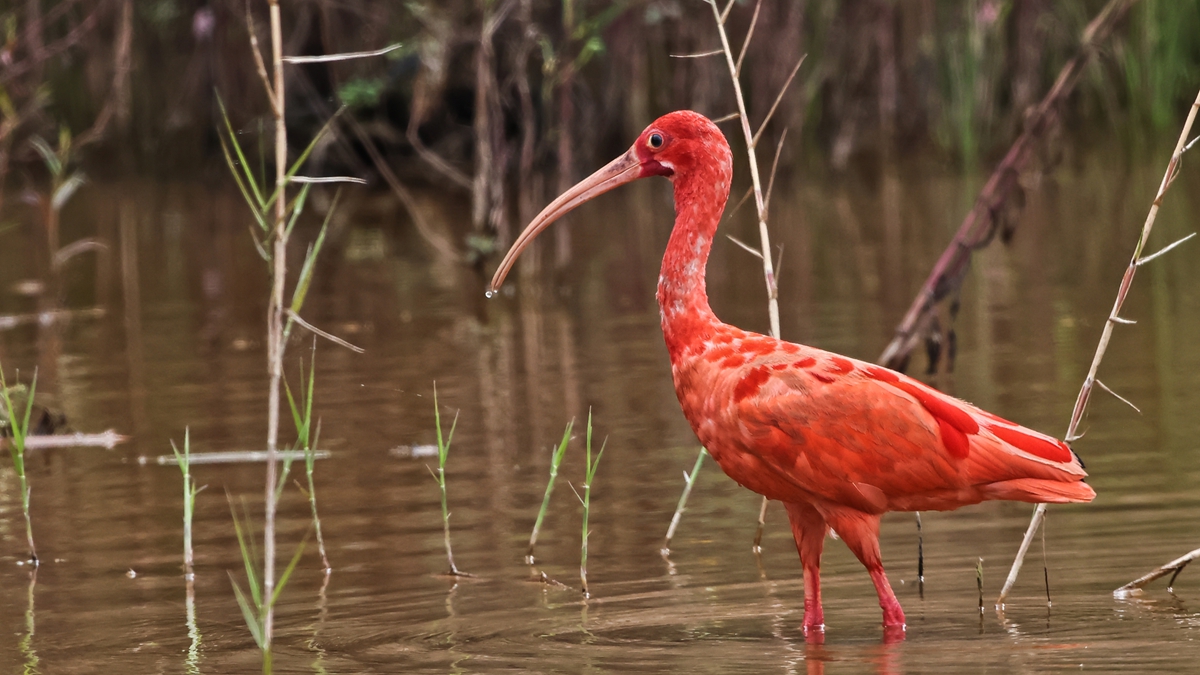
<point x="839" y="441"/>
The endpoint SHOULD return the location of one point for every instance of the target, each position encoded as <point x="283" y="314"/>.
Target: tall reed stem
<point x="587" y="505"/>
<point x="275" y="314"/>
<point x="1114" y="318"/>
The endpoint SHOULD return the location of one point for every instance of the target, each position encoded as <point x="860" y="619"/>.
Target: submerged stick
<point x="1085" y="391"/>
<point x="555" y="461"/>
<point x="1173" y="568"/>
<point x="980" y="225"/>
<point x="689" y="480"/>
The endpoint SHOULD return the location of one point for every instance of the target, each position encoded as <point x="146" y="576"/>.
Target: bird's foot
<point x="894" y="634"/>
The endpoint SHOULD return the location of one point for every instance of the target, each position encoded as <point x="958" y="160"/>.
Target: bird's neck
<point x="700" y="198"/>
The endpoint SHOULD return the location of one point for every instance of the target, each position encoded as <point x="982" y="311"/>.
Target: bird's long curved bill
<point x="621" y="170"/>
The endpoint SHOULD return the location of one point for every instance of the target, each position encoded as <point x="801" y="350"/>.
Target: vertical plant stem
<point x="759" y="202"/>
<point x="587" y="505"/>
<point x="275" y="345"/>
<point x="310" y="460"/>
<point x="555" y="462"/>
<point x="689" y="481"/>
<point x="19" y="426"/>
<point x="440" y="477"/>
<point x="1114" y="317"/>
<point x="189" y="502"/>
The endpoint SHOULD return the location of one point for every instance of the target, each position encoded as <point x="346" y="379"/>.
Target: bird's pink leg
<point x="860" y="531"/>
<point x="809" y="529"/>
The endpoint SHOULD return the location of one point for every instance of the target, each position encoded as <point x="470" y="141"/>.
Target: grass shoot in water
<point x="443" y="445"/>
<point x="189" y="501"/>
<point x="18" y="425"/>
<point x="555" y="461"/>
<point x="586" y="499"/>
<point x="303" y="422"/>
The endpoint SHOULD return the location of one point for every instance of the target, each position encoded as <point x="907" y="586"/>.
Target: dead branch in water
<point x="1173" y="568"/>
<point x="1114" y="318"/>
<point x="989" y="214"/>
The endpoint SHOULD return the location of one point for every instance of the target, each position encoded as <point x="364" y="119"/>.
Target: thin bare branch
<point x="725" y="14"/>
<point x="234" y="457"/>
<point x="318" y="180"/>
<point x="701" y="55"/>
<point x="783" y="90"/>
<point x="345" y="56"/>
<point x="1152" y="256"/>
<point x="771" y="178"/>
<point x="105" y="439"/>
<point x="259" y="65"/>
<point x="1122" y="320"/>
<point x="1119" y="397"/>
<point x="749" y="249"/>
<point x="726" y="118"/>
<point x="328" y="336"/>
<point x="746" y="42"/>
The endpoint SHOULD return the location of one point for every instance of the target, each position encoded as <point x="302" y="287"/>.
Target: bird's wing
<point x="854" y="433"/>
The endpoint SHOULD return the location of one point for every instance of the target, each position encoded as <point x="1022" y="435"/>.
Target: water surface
<point x="180" y="345"/>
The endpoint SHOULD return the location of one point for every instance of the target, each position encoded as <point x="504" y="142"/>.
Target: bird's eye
<point x="656" y="140"/>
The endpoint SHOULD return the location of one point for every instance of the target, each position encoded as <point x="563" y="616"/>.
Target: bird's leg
<point x="860" y="531"/>
<point x="809" y="529"/>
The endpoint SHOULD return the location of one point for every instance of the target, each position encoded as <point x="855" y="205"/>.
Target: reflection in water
<point x="25" y="645"/>
<point x="192" y="662"/>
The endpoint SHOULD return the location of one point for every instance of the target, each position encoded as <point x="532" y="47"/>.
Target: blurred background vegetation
<point x="489" y="96"/>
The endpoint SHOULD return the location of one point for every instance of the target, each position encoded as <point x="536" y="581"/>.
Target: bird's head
<point x="675" y="145"/>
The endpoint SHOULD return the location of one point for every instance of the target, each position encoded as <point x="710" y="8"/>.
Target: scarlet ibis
<point x="839" y="441"/>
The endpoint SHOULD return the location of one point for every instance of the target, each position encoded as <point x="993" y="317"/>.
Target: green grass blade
<point x="306" y="270"/>
<point x="296" y="208"/>
<point x="287" y="573"/>
<point x="262" y="206"/>
<point x="249" y="558"/>
<point x="49" y="157"/>
<point x="248" y="613"/>
<point x="233" y="171"/>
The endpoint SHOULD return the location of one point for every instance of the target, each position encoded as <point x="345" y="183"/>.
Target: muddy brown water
<point x="180" y="346"/>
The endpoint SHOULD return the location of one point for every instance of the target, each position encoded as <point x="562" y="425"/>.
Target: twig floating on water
<point x="234" y="457"/>
<point x="106" y="439"/>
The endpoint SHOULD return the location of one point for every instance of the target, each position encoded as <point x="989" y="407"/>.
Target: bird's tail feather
<point x="1040" y="490"/>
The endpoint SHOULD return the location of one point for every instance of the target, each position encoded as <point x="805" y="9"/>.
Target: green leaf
<point x="262" y="206"/>
<point x="66" y="190"/>
<point x="48" y="155"/>
<point x="310" y="260"/>
<point x="296" y="208"/>
<point x="252" y="621"/>
<point x="250" y="201"/>
<point x="287" y="573"/>
<point x="249" y="559"/>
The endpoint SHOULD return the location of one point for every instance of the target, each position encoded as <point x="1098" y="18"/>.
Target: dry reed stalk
<point x="980" y="225"/>
<point x="760" y="198"/>
<point x="1114" y="318"/>
<point x="275" y="315"/>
